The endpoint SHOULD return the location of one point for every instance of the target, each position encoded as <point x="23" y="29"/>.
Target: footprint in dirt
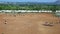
<point x="48" y="24"/>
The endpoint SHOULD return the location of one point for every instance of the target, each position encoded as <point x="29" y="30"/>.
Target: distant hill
<point x="57" y="2"/>
<point x="32" y="3"/>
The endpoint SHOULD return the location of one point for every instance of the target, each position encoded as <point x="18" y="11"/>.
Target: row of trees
<point x="29" y="7"/>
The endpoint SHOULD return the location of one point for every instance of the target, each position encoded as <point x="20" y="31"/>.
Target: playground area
<point x="29" y="23"/>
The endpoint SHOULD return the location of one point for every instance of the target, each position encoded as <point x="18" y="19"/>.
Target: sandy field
<point x="29" y="23"/>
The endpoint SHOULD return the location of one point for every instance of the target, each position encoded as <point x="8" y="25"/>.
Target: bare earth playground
<point x="29" y="23"/>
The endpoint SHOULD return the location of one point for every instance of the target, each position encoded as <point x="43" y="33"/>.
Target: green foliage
<point x="29" y="7"/>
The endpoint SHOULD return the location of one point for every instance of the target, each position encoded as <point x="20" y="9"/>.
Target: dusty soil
<point x="29" y="23"/>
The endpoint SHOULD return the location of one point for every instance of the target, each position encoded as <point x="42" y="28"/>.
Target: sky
<point x="29" y="0"/>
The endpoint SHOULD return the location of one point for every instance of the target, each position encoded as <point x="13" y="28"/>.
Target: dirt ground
<point x="29" y="23"/>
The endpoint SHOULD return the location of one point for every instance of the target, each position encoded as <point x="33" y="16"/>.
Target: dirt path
<point x="29" y="23"/>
